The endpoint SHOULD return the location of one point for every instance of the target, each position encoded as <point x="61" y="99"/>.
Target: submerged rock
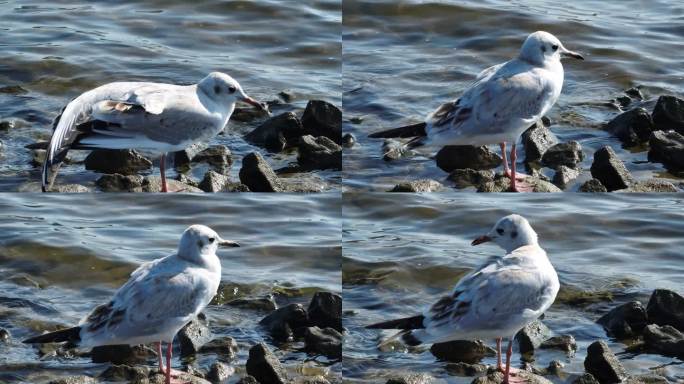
<point x="465" y="351"/>
<point x="423" y="185"/>
<point x="120" y="183"/>
<point x="564" y="343"/>
<point x="326" y="341"/>
<point x="602" y="364"/>
<point x="668" y="114"/>
<point x="277" y="133"/>
<point x="631" y="127"/>
<point x="319" y="153"/>
<point x="282" y="323"/>
<point x="668" y="148"/>
<point x="626" y="320"/>
<point x="592" y="185"/>
<point x="610" y="170"/>
<point x="453" y="157"/>
<point x="666" y="307"/>
<point x="4" y="335"/>
<point x="192" y="337"/>
<point x="124" y="161"/>
<point x="348" y="140"/>
<point x="532" y="336"/>
<point x="569" y="154"/>
<point x="321" y="118"/>
<point x="666" y="340"/>
<point x="264" y="366"/>
<point x="537" y="140"/>
<point x="325" y="310"/>
<point x="258" y="176"/>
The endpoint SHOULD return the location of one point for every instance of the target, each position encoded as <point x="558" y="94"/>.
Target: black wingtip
<point x="414" y="322"/>
<point x="413" y="130"/>
<point x="72" y="335"/>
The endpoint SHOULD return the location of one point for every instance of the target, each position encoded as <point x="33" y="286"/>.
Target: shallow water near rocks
<point x="403" y="59"/>
<point x="52" y="53"/>
<point x="400" y="251"/>
<point x="59" y="258"/>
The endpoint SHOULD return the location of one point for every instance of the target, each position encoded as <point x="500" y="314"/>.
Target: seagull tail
<point x="413" y="130"/>
<point x="72" y="335"/>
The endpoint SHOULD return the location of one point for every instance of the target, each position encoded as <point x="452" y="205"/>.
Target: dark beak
<point x="228" y="243"/>
<point x="572" y="54"/>
<point x="481" y="239"/>
<point x="255" y="104"/>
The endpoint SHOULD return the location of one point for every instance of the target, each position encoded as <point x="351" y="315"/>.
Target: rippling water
<point x="56" y="51"/>
<point x="402" y="59"/>
<point x="400" y="251"/>
<point x="81" y="250"/>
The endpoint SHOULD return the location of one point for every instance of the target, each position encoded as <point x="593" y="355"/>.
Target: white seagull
<point x="157" y="301"/>
<point x="496" y="300"/>
<point x="153" y="117"/>
<point x="500" y="105"/>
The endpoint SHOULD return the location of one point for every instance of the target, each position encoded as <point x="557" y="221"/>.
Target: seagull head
<point x="510" y="233"/>
<point x="541" y="47"/>
<point x="225" y="90"/>
<point x="198" y="241"/>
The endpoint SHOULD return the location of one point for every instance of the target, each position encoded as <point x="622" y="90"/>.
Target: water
<point x="402" y="250"/>
<point x="403" y="59"/>
<point x="56" y="51"/>
<point x="80" y="251"/>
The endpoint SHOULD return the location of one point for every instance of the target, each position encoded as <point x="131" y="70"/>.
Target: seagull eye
<point x="211" y="239"/>
<point x="217" y="89"/>
<point x="500" y="231"/>
<point x="232" y="89"/>
<point x="554" y="47"/>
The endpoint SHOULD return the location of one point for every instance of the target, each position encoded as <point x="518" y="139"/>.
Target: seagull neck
<point x="212" y="105"/>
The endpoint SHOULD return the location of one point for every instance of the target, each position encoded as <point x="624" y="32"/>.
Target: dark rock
<point x="592" y="185"/>
<point x="424" y="185"/>
<point x="454" y="157"/>
<point x="319" y="153"/>
<point x="668" y="114"/>
<point x="411" y="378"/>
<point x="325" y="310"/>
<point x="74" y="380"/>
<point x="466" y="351"/>
<point x="310" y="380"/>
<point x="464" y="178"/>
<point x="283" y="322"/>
<point x="634" y="93"/>
<point x="564" y="176"/>
<point x="258" y="175"/>
<point x="668" y="148"/>
<point x="121" y="354"/>
<point x="465" y="369"/>
<point x="568" y="154"/>
<point x="502" y="183"/>
<point x="646" y="379"/>
<point x="120" y="183"/>
<point x="564" y="343"/>
<point x="651" y="185"/>
<point x="393" y="150"/>
<point x="631" y="127"/>
<point x="218" y="372"/>
<point x="602" y="364"/>
<point x="666" y="307"/>
<point x="182" y="159"/>
<point x="4" y="335"/>
<point x="326" y="341"/>
<point x="225" y="347"/>
<point x="532" y="336"/>
<point x="264" y="366"/>
<point x="586" y="378"/>
<point x="665" y="339"/>
<point x="277" y="132"/>
<point x="213" y="182"/>
<point x="555" y="368"/>
<point x="496" y="377"/>
<point x="38" y="157"/>
<point x="124" y="161"/>
<point x="321" y="118"/>
<point x="248" y="380"/>
<point x="125" y="373"/>
<point x="626" y="320"/>
<point x="624" y="101"/>
<point x="348" y="140"/>
<point x="260" y="304"/>
<point x="192" y="337"/>
<point x="218" y="157"/>
<point x="153" y="184"/>
<point x="250" y="113"/>
<point x="235" y="187"/>
<point x="610" y="170"/>
<point x="537" y="139"/>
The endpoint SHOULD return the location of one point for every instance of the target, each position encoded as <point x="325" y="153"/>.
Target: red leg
<point x="502" y="145"/>
<point x="511" y="371"/>
<point x="160" y="356"/>
<point x="169" y="351"/>
<point x="513" y="174"/>
<point x="162" y="170"/>
<point x="498" y="355"/>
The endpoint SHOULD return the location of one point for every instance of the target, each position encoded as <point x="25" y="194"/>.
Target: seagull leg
<point x="171" y="374"/>
<point x="499" y="367"/>
<point x="524" y="186"/>
<point x="511" y="371"/>
<point x="507" y="172"/>
<point x="162" y="169"/>
<point x="160" y="357"/>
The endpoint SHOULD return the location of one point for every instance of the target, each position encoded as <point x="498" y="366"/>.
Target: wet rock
<point x="183" y="377"/>
<point x="235" y="187"/>
<point x="321" y="118"/>
<point x="666" y="307"/>
<point x="465" y="369"/>
<point x="319" y="153"/>
<point x="651" y="185"/>
<point x="665" y="339"/>
<point x="304" y="186"/>
<point x="532" y="336"/>
<point x="213" y="182"/>
<point x="568" y="154"/>
<point x="626" y="320"/>
<point x="668" y="148"/>
<point x="264" y="366"/>
<point x="631" y="127"/>
<point x="424" y="185"/>
<point x="153" y="184"/>
<point x="259" y="304"/>
<point x="602" y="364"/>
<point x="188" y="180"/>
<point x="70" y="188"/>
<point x="218" y="157"/>
<point x="624" y="101"/>
<point x="393" y="150"/>
<point x="668" y="114"/>
<point x="4" y="335"/>
<point x="646" y="379"/>
<point x="120" y="183"/>
<point x="218" y="372"/>
<point x="497" y="378"/>
<point x="225" y="347"/>
<point x="465" y="351"/>
<point x="258" y="175"/>
<point x="123" y="161"/>
<point x="502" y="183"/>
<point x="592" y="185"/>
<point x="282" y="323"/>
<point x="121" y="354"/>
<point x="555" y="368"/>
<point x="564" y="176"/>
<point x="610" y="170"/>
<point x="125" y="373"/>
<point x="464" y="178"/>
<point x="81" y="379"/>
<point x="277" y="132"/>
<point x="537" y="140"/>
<point x="325" y="310"/>
<point x="348" y="140"/>
<point x="564" y="343"/>
<point x="38" y="157"/>
<point x="182" y="159"/>
<point x="326" y="341"/>
<point x="248" y="380"/>
<point x="310" y="380"/>
<point x="586" y="378"/>
<point x="634" y="93"/>
<point x="192" y="337"/>
<point x="454" y="157"/>
<point x="411" y="378"/>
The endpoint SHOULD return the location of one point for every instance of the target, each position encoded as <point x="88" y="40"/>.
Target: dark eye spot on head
<point x="514" y="234"/>
<point x="200" y="244"/>
<point x="543" y="48"/>
<point x="211" y="239"/>
<point x="232" y="89"/>
<point x="500" y="231"/>
<point x="554" y="47"/>
<point x="217" y="89"/>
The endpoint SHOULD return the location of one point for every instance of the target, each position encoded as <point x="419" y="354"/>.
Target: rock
<point x="310" y="380"/>
<point x="325" y="310"/>
<point x="218" y="372"/>
<point x="125" y="373"/>
<point x="537" y="139"/>
<point x="264" y="366"/>
<point x="651" y="185"/>
<point x="564" y="343"/>
<point x="70" y="188"/>
<point x="121" y="354"/>
<point x="258" y="175"/>
<point x="4" y="335"/>
<point x="610" y="170"/>
<point x="248" y="380"/>
<point x="454" y="157"/>
<point x="277" y="132"/>
<point x="668" y="114"/>
<point x="182" y="159"/>
<point x="497" y="378"/>
<point x="321" y="118"/>
<point x="555" y="368"/>
<point x="592" y="185"/>
<point x="631" y="127"/>
<point x="192" y="337"/>
<point x="38" y="157"/>
<point x="465" y="369"/>
<point x="81" y="379"/>
<point x="260" y="304"/>
<point x="282" y="322"/>
<point x="502" y="183"/>
<point x="602" y="364"/>
<point x="183" y="377"/>
<point x="532" y="336"/>
<point x="411" y="378"/>
<point x="123" y="161"/>
<point x="646" y="379"/>
<point x="218" y="157"/>
<point x="424" y="185"/>
<point x="565" y="175"/>
<point x="319" y="153"/>
<point x="235" y="187"/>
<point x="464" y="178"/>
<point x="568" y="154"/>
<point x="665" y="339"/>
<point x="326" y="341"/>
<point x="466" y="351"/>
<point x="153" y="184"/>
<point x="586" y="378"/>
<point x="666" y="307"/>
<point x="348" y="140"/>
<point x="225" y="347"/>
<point x="626" y="320"/>
<point x="120" y="183"/>
<point x="634" y="93"/>
<point x="668" y="148"/>
<point x="213" y="182"/>
<point x="304" y="186"/>
<point x="393" y="150"/>
<point x="624" y="101"/>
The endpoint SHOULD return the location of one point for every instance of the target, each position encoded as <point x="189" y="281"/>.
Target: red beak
<point x="481" y="239"/>
<point x="256" y="104"/>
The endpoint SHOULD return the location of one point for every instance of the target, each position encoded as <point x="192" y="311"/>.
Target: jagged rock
<point x="502" y="183"/>
<point x="634" y="93"/>
<point x="248" y="380"/>
<point x="121" y="354"/>
<point x="218" y="372"/>
<point x="463" y="178"/>
<point x="602" y="364"/>
<point x="497" y="378"/>
<point x="453" y="157"/>
<point x="564" y="176"/>
<point x="569" y="154"/>
<point x="668" y="114"/>
<point x="123" y="161"/>
<point x="348" y="140"/>
<point x="319" y="153"/>
<point x="218" y="157"/>
<point x="665" y="339"/>
<point x="666" y="307"/>
<point x="466" y="351"/>
<point x="264" y="366"/>
<point x="235" y="187"/>
<point x="424" y="185"/>
<point x="192" y="337"/>
<point x="668" y="148"/>
<point x="646" y="379"/>
<point x="565" y="343"/>
<point x="650" y="185"/>
<point x="282" y="323"/>
<point x="81" y="379"/>
<point x="626" y="320"/>
<point x="225" y="347"/>
<point x="631" y="127"/>
<point x="411" y="378"/>
<point x="213" y="182"/>
<point x="182" y="159"/>
<point x="610" y="170"/>
<point x="586" y="378"/>
<point x="592" y="185"/>
<point x="465" y="369"/>
<point x="157" y="378"/>
<point x="153" y="184"/>
<point x="326" y="341"/>
<point x="325" y="310"/>
<point x="277" y="133"/>
<point x="125" y="373"/>
<point x="537" y="139"/>
<point x="532" y="336"/>
<point x="70" y="188"/>
<point x="4" y="336"/>
<point x="38" y="157"/>
<point x="321" y="118"/>
<point x="260" y="304"/>
<point x="258" y="175"/>
<point x="120" y="183"/>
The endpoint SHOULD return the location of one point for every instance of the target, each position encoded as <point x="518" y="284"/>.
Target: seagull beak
<point x="574" y="55"/>
<point x="228" y="243"/>
<point x="254" y="103"/>
<point x="481" y="239"/>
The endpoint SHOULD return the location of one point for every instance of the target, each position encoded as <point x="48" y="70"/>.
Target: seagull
<point x="159" y="299"/>
<point x="153" y="117"/>
<point x="500" y="105"/>
<point x="496" y="300"/>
